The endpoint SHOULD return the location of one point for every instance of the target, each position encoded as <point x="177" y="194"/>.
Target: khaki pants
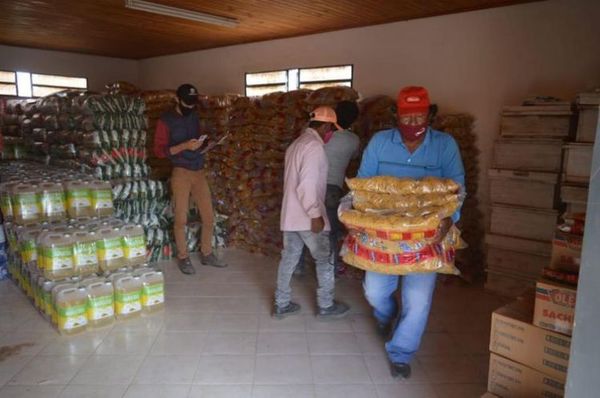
<point x="183" y="183"/>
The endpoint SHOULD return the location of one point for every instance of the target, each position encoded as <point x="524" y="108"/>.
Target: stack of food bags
<point x="393" y="224"/>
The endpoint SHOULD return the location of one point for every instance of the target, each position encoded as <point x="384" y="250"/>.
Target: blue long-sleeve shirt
<point x="437" y="156"/>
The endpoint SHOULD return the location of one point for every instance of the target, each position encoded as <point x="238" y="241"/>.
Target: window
<point x="49" y="84"/>
<point x="292" y="79"/>
<point x="25" y="84"/>
<point x="8" y="83"/>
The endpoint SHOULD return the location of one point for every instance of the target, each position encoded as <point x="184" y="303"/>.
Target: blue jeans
<point x="332" y="201"/>
<point x="318" y="244"/>
<point x="417" y="293"/>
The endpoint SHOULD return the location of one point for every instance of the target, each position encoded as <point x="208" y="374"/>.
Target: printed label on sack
<point x="58" y="258"/>
<point x="27" y="205"/>
<point x="85" y="253"/>
<point x="153" y="295"/>
<point x="102" y="199"/>
<point x="135" y="246"/>
<point x="126" y="303"/>
<point x="71" y="317"/>
<point x="110" y="249"/>
<point x="53" y="203"/>
<point x="100" y="308"/>
<point x="79" y="198"/>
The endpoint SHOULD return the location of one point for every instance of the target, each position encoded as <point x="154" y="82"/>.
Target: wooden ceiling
<point x="106" y="27"/>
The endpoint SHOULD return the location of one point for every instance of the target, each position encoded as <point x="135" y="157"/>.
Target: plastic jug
<point x="28" y="246"/>
<point x="71" y="306"/>
<point x="128" y="296"/>
<point x="102" y="202"/>
<point x="110" y="249"/>
<point x="134" y="244"/>
<point x="5" y="199"/>
<point x="100" y="304"/>
<point x="26" y="204"/>
<point x="57" y="255"/>
<point x="53" y="201"/>
<point x="85" y="254"/>
<point x="56" y="288"/>
<point x="79" y="199"/>
<point x="153" y="291"/>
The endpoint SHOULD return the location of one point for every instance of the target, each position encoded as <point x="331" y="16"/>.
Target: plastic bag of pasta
<point x="403" y="186"/>
<point x="368" y="201"/>
<point x="363" y="251"/>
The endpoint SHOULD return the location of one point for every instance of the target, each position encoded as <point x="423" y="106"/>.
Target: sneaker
<point x="290" y="309"/>
<point x="336" y="311"/>
<point x="212" y="261"/>
<point x="400" y="370"/>
<point x="185" y="266"/>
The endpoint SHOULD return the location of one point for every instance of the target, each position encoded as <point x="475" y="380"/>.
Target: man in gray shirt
<point x="340" y="147"/>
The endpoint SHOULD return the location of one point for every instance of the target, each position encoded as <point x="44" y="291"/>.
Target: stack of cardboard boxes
<point x="524" y="190"/>
<point x="531" y="338"/>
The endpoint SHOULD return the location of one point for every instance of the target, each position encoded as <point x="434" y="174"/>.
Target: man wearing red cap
<point x="304" y="217"/>
<point x="412" y="150"/>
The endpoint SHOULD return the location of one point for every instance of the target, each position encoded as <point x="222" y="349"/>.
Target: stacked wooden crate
<point x="578" y="154"/>
<point x="524" y="192"/>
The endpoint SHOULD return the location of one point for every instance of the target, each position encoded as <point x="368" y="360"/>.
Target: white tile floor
<point x="216" y="339"/>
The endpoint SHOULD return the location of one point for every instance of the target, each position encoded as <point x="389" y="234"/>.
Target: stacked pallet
<point x="524" y="192"/>
<point x="578" y="154"/>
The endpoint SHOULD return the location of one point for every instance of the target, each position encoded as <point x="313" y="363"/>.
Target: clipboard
<point x="211" y="145"/>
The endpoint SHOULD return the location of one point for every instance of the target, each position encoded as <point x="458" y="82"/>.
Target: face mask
<point x="185" y="111"/>
<point x="328" y="136"/>
<point x="412" y="133"/>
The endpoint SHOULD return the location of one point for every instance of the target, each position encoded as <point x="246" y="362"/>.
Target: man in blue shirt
<point x="413" y="150"/>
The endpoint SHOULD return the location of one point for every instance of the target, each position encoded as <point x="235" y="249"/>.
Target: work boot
<point x="400" y="370"/>
<point x="185" y="266"/>
<point x="290" y="309"/>
<point x="336" y="311"/>
<point x="211" y="260"/>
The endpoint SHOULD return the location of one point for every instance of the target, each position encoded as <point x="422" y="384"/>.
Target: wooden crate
<point x="577" y="163"/>
<point x="518" y="263"/>
<point x="530" y="155"/>
<point x="519" y="245"/>
<point x="522" y="222"/>
<point x="536" y="121"/>
<point x="575" y="198"/>
<point x="507" y="284"/>
<point x="588" y="123"/>
<point x="523" y="188"/>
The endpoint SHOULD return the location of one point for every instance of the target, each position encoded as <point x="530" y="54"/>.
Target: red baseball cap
<point x="413" y="100"/>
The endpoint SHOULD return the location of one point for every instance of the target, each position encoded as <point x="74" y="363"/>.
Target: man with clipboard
<point x="178" y="138"/>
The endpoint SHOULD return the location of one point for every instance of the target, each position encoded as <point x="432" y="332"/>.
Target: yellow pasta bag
<point x="403" y="186"/>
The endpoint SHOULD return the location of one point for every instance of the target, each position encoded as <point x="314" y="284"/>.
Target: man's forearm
<point x="174" y="150"/>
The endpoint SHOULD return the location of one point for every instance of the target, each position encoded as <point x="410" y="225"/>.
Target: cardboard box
<point x="566" y="252"/>
<point x="554" y="306"/>
<point x="509" y="379"/>
<point x="513" y="336"/>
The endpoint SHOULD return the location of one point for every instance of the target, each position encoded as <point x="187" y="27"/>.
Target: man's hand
<point x="443" y="230"/>
<point x="194" y="143"/>
<point x="317" y="225"/>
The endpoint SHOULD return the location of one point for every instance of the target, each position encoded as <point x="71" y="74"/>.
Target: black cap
<point x="347" y="113"/>
<point x="188" y="94"/>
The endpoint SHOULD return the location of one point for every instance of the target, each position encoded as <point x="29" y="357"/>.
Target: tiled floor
<point x="217" y="339"/>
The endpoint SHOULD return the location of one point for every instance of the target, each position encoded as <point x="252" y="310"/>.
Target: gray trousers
<point x="318" y="245"/>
